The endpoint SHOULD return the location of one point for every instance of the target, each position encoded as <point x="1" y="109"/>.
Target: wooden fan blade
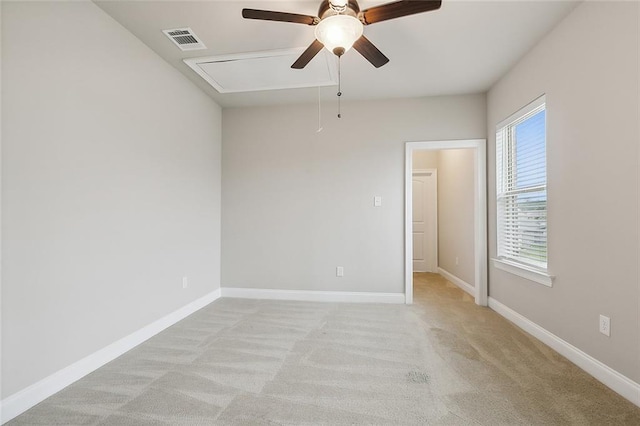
<point x="370" y="52"/>
<point x="308" y="55"/>
<point x="267" y="15"/>
<point x="398" y="9"/>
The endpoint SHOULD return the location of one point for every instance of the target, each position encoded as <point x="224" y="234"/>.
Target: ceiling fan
<point x="340" y="23"/>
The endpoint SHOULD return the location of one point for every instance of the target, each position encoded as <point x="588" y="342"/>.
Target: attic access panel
<point x="268" y="70"/>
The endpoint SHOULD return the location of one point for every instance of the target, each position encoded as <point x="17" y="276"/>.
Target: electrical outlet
<point x="457" y="261"/>
<point x="605" y="325"/>
<point x="185" y="282"/>
<point x="339" y="271"/>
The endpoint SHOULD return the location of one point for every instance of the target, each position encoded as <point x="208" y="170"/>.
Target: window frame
<point x="529" y="270"/>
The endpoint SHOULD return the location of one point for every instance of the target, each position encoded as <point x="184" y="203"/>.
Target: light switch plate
<point x="605" y="325"/>
<point x="377" y="201"/>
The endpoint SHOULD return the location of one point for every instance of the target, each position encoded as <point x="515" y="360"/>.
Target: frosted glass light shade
<point x="339" y="31"/>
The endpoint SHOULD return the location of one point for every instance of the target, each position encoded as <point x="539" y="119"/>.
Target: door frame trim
<point x="480" y="211"/>
<point x="434" y="244"/>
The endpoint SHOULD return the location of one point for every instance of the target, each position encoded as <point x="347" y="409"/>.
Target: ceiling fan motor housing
<point x="326" y="9"/>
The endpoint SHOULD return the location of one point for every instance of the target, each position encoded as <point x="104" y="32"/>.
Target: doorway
<point x="478" y="147"/>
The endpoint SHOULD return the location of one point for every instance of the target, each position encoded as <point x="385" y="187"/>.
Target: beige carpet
<point x="442" y="361"/>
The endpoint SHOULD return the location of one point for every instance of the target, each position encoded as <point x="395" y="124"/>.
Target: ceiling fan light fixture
<point x="338" y="32"/>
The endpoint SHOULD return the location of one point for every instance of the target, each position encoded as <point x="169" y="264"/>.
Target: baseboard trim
<point x="605" y="374"/>
<point x="457" y="281"/>
<point x="313" y="296"/>
<point x="21" y="401"/>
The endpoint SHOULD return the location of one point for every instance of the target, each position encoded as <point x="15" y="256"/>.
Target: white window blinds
<point x="522" y="186"/>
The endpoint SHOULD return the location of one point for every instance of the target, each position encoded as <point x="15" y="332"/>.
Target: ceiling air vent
<point x="185" y="39"/>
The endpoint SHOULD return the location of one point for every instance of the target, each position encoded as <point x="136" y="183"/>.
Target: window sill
<point x="523" y="271"/>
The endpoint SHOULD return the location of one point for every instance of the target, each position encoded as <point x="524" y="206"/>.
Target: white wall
<point x="110" y="187"/>
<point x="297" y="203"/>
<point x="588" y="68"/>
<point x="456" y="214"/>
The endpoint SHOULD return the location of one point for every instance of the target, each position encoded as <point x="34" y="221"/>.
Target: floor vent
<point x="185" y="39"/>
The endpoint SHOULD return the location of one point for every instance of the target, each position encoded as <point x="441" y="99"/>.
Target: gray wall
<point x="297" y="203"/>
<point x="588" y="68"/>
<point x="110" y="187"/>
<point x="456" y="179"/>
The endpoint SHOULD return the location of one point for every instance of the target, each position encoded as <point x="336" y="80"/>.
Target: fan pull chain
<point x="339" y="88"/>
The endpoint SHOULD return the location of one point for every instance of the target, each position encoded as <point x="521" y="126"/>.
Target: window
<point x="521" y="179"/>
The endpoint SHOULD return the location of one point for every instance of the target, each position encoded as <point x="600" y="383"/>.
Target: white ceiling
<point x="462" y="48"/>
